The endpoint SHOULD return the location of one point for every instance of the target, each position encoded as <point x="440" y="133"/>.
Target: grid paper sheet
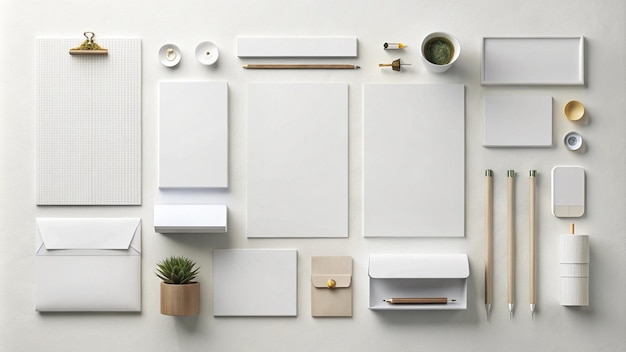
<point x="88" y="118"/>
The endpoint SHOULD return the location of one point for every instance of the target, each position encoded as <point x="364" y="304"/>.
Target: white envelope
<point x="88" y="265"/>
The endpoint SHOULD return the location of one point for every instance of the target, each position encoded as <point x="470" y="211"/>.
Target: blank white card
<point x="414" y="160"/>
<point x="255" y="282"/>
<point x="88" y="114"/>
<point x="193" y="134"/>
<point x="518" y="121"/>
<point x="297" y="160"/>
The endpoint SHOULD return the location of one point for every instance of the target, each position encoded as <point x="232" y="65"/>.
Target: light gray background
<point x="599" y="327"/>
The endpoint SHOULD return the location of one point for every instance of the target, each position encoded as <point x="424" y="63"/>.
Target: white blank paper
<point x="518" y="121"/>
<point x="414" y="164"/>
<point x="193" y="134"/>
<point x="88" y="123"/>
<point x="533" y="60"/>
<point x="255" y="282"/>
<point x="297" y="160"/>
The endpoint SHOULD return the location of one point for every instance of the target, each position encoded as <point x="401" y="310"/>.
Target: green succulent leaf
<point x="176" y="270"/>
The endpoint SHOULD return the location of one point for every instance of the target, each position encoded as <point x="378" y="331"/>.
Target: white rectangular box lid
<point x="419" y="266"/>
<point x="297" y="46"/>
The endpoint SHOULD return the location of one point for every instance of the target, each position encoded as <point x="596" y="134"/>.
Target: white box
<point x="297" y="47"/>
<point x="190" y="218"/>
<point x="418" y="276"/>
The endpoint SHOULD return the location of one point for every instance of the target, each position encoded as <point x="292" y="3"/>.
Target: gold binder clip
<point x="89" y="47"/>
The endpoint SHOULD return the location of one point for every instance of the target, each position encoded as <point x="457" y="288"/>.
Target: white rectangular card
<point x="88" y="123"/>
<point x="193" y="134"/>
<point x="518" y="121"/>
<point x="297" y="160"/>
<point x="533" y="60"/>
<point x="414" y="160"/>
<point x="255" y="282"/>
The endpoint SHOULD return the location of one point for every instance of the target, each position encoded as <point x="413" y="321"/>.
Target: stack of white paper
<point x="190" y="218"/>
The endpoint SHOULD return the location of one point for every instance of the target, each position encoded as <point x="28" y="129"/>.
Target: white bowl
<point x="207" y="53"/>
<point x="169" y="55"/>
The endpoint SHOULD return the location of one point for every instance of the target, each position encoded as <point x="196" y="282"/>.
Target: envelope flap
<point x="321" y="281"/>
<point x="424" y="266"/>
<point x="331" y="265"/>
<point x="88" y="233"/>
<point x="324" y="268"/>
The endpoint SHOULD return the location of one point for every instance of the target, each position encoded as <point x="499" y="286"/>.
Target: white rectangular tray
<point x="533" y="61"/>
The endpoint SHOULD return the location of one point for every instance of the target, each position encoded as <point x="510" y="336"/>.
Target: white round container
<point x="439" y="68"/>
<point x="207" y="53"/>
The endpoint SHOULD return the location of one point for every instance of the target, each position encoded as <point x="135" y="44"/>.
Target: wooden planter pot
<point x="180" y="299"/>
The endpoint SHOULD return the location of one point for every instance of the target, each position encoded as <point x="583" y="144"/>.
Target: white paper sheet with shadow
<point x="297" y="160"/>
<point x="193" y="134"/>
<point x="518" y="121"/>
<point x="255" y="282"/>
<point x="414" y="160"/>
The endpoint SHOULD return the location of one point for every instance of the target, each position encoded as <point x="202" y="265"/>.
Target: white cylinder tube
<point x="574" y="270"/>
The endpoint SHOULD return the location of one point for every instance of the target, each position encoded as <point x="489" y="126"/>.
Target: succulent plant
<point x="176" y="270"/>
